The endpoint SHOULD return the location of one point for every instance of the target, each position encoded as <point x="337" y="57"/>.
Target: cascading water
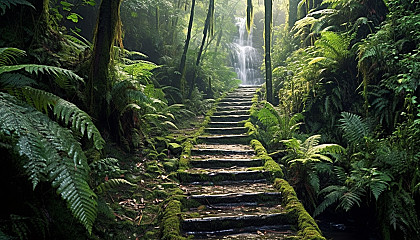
<point x="245" y="58"/>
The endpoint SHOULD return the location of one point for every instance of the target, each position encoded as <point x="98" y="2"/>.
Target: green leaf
<point x="74" y="17"/>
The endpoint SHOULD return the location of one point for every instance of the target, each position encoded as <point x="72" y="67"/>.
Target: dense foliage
<point x="351" y="69"/>
<point x="81" y="80"/>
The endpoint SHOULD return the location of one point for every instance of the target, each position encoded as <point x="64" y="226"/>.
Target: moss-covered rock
<point x="175" y="148"/>
<point x="171" y="221"/>
<point x="269" y="164"/>
<point x="308" y="228"/>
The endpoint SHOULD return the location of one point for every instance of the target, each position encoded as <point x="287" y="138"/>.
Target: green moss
<point x="171" y="221"/>
<point x="308" y="228"/>
<point x="269" y="164"/>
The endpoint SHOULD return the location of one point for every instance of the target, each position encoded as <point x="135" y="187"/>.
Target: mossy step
<point x="217" y="151"/>
<point x="233" y="138"/>
<point x="237" y="222"/>
<point x="232" y="108"/>
<point x="224" y="124"/>
<point x="248" y="96"/>
<point x="222" y="176"/>
<point x="226" y="130"/>
<point x="237" y="99"/>
<point x="232" y="112"/>
<point x="253" y="197"/>
<point x="227" y="189"/>
<point x="259" y="233"/>
<point x="226" y="104"/>
<point x="229" y="118"/>
<point x="217" y="163"/>
<point x="233" y="209"/>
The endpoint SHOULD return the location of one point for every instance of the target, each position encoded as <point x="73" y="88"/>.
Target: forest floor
<point x="136" y="210"/>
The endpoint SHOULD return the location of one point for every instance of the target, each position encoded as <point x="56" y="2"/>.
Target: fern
<point x="333" y="194"/>
<point x="13" y="80"/>
<point x="106" y="167"/>
<point x="66" y="111"/>
<point x="44" y="69"/>
<point x="9" y="3"/>
<point x="50" y="153"/>
<point x="354" y="127"/>
<point x="10" y="55"/>
<point x="112" y="183"/>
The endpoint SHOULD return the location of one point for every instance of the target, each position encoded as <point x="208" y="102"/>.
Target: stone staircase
<point x="233" y="199"/>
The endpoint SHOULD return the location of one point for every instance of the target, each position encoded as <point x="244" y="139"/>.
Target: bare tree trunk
<point x="208" y="25"/>
<point x="268" y="5"/>
<point x="180" y="82"/>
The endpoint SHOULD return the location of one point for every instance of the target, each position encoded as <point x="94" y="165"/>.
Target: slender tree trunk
<point x="208" y="25"/>
<point x="99" y="84"/>
<point x="180" y="82"/>
<point x="268" y="5"/>
<point x="292" y="13"/>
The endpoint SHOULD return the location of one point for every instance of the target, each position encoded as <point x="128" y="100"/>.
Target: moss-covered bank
<point x="307" y="226"/>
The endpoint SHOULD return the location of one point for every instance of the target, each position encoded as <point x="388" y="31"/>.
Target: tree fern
<point x="49" y="153"/>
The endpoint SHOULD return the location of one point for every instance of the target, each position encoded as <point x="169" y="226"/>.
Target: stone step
<point x="225" y="124"/>
<point x="226" y="200"/>
<point x="232" y="138"/>
<point x="223" y="163"/>
<point x="232" y="112"/>
<point x="234" y="224"/>
<point x="217" y="151"/>
<point x="229" y="118"/>
<point x="250" y="233"/>
<point x="233" y="130"/>
<point x="229" y="104"/>
<point x="238" y="188"/>
<point x="232" y="108"/>
<point x="237" y="99"/>
<point x="222" y="177"/>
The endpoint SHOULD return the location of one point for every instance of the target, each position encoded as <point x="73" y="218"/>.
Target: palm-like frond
<point x="50" y="153"/>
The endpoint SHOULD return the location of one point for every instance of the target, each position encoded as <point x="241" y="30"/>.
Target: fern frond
<point x="51" y="153"/>
<point x="71" y="184"/>
<point x="112" y="183"/>
<point x="13" y="80"/>
<point x="44" y="69"/>
<point x="9" y="55"/>
<point x="350" y="198"/>
<point x="63" y="110"/>
<point x="333" y="194"/>
<point x="9" y="3"/>
<point x="354" y="127"/>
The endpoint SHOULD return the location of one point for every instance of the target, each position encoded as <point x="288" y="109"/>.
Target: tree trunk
<point x="180" y="81"/>
<point x="292" y="13"/>
<point x="268" y="5"/>
<point x="99" y="84"/>
<point x="207" y="28"/>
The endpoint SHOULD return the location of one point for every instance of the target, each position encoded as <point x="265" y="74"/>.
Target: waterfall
<point x="245" y="58"/>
